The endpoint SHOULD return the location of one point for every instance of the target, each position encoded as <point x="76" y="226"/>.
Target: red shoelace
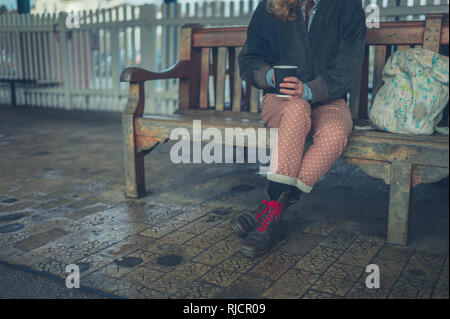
<point x="271" y="212"/>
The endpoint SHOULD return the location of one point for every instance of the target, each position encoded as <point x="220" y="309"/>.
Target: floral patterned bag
<point x="414" y="94"/>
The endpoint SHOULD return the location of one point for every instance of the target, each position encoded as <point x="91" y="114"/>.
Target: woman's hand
<point x="293" y="86"/>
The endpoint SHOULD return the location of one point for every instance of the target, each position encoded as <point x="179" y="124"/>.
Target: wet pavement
<point x="62" y="202"/>
<point x="19" y="283"/>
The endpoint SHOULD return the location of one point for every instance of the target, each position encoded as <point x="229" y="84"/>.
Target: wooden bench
<point x="403" y="161"/>
<point x="13" y="82"/>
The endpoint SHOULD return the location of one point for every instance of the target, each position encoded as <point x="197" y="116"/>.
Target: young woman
<point x="325" y="40"/>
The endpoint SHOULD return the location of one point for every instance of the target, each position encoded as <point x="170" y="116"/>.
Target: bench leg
<point x="134" y="162"/>
<point x="400" y="202"/>
<point x="13" y="94"/>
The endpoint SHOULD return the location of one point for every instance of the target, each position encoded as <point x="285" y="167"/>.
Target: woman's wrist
<point x="269" y="81"/>
<point x="307" y="93"/>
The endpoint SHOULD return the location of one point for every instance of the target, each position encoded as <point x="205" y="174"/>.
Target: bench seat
<point x="372" y="150"/>
<point x="368" y="144"/>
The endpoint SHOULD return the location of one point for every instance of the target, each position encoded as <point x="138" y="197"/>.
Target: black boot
<point x="243" y="223"/>
<point x="259" y="241"/>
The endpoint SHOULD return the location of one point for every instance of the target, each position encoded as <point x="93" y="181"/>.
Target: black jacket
<point x="329" y="57"/>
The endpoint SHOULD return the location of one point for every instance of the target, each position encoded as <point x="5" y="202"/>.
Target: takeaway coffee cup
<point x="282" y="72"/>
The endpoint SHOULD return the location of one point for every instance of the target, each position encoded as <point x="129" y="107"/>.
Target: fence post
<point x="115" y="58"/>
<point x="18" y="46"/>
<point x="147" y="17"/>
<point x="65" y="58"/>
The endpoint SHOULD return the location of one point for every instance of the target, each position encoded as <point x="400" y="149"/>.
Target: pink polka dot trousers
<point x="330" y="124"/>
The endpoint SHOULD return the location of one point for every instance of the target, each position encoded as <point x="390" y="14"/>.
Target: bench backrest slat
<point x="220" y="37"/>
<point x="217" y="49"/>
<point x="380" y="61"/>
<point x="237" y="83"/>
<point x="204" y="78"/>
<point x="221" y="75"/>
<point x="432" y="33"/>
<point x="254" y="100"/>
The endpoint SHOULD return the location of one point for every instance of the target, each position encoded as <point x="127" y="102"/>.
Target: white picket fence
<point x="88" y="59"/>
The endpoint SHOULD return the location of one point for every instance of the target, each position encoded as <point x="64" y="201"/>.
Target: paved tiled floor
<point x="62" y="202"/>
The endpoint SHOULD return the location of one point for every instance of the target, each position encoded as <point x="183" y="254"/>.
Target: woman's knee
<point x="334" y="134"/>
<point x="298" y="107"/>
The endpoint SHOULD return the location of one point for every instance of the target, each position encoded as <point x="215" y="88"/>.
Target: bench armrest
<point x="138" y="74"/>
